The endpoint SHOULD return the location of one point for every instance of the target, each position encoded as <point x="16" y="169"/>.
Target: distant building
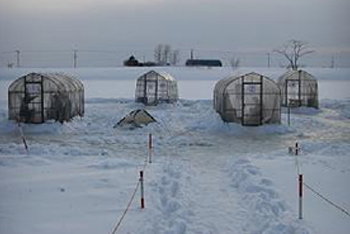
<point x="131" y="62"/>
<point x="204" y="62"/>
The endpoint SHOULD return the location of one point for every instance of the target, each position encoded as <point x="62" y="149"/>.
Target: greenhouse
<point x="298" y="88"/>
<point x="37" y="97"/>
<point x="251" y="99"/>
<point x="155" y="87"/>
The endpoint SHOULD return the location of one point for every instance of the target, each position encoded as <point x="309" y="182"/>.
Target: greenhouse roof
<point x="163" y="74"/>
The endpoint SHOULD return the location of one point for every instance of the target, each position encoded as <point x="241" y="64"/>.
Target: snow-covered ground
<point x="206" y="176"/>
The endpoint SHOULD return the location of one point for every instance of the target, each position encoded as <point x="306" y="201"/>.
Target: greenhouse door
<point x="151" y="89"/>
<point x="33" y="102"/>
<point x="293" y="93"/>
<point x="252" y="103"/>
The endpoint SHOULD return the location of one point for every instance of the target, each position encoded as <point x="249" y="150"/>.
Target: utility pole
<point x="192" y="54"/>
<point x="268" y="59"/>
<point x="332" y="62"/>
<point x="18" y="57"/>
<point x="75" y="58"/>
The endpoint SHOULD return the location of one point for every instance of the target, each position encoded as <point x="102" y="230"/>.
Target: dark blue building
<point x="204" y="62"/>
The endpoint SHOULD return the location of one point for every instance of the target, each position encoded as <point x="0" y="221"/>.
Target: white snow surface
<point x="205" y="177"/>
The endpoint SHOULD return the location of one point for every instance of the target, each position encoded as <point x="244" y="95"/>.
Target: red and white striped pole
<point x="142" y="191"/>
<point x="300" y="196"/>
<point x="296" y="148"/>
<point x="150" y="148"/>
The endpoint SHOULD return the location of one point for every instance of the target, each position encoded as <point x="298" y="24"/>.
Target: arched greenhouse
<point x="298" y="88"/>
<point x="155" y="87"/>
<point x="251" y="99"/>
<point x="37" y="97"/>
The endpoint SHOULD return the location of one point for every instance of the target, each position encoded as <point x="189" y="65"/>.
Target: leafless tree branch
<point x="293" y="50"/>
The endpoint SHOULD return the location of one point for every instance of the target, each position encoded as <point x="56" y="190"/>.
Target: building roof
<point x="62" y="81"/>
<point x="163" y="74"/>
<point x="204" y="62"/>
<point x="295" y="74"/>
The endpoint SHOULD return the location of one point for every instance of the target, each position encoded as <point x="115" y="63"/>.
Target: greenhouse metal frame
<point x="156" y="87"/>
<point x="37" y="97"/>
<point x="299" y="88"/>
<point x="251" y="100"/>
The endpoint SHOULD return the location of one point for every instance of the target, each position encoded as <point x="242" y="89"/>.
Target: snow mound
<point x="341" y="107"/>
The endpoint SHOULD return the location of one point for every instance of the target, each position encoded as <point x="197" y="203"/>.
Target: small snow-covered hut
<point x="251" y="99"/>
<point x="155" y="87"/>
<point x="298" y="88"/>
<point x="136" y="118"/>
<point x="37" y="97"/>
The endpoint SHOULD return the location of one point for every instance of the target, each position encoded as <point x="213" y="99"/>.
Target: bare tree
<point x="174" y="58"/>
<point x="166" y="54"/>
<point x="158" y="52"/>
<point x="293" y="50"/>
<point x="235" y="62"/>
<point x="163" y="54"/>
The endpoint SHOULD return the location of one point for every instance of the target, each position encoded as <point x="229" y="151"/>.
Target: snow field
<point x="206" y="176"/>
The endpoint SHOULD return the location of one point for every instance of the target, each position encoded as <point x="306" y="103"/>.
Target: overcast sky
<point x="142" y="24"/>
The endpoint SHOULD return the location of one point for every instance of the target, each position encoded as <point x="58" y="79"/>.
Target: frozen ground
<point x="206" y="176"/>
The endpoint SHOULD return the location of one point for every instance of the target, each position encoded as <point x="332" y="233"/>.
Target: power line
<point x="18" y="57"/>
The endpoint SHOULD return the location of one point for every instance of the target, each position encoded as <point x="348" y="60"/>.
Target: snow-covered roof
<point x="296" y="74"/>
<point x="163" y="74"/>
<point x="252" y="76"/>
<point x="62" y="81"/>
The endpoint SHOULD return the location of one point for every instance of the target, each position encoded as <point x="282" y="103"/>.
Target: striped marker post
<point x="142" y="191"/>
<point x="296" y="148"/>
<point x="150" y="148"/>
<point x="300" y="196"/>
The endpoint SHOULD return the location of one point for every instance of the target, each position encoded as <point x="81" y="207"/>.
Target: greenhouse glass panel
<point x="299" y="88"/>
<point x="155" y="87"/>
<point x="251" y="100"/>
<point x="37" y="97"/>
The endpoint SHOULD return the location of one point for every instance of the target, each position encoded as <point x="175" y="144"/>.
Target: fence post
<point x="142" y="191"/>
<point x="288" y="108"/>
<point x="296" y="148"/>
<point x="300" y="196"/>
<point x="150" y="148"/>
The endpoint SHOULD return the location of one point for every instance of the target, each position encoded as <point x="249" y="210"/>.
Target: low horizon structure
<point x="37" y="97"/>
<point x="251" y="100"/>
<point x="203" y="63"/>
<point x="298" y="88"/>
<point x="156" y="87"/>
